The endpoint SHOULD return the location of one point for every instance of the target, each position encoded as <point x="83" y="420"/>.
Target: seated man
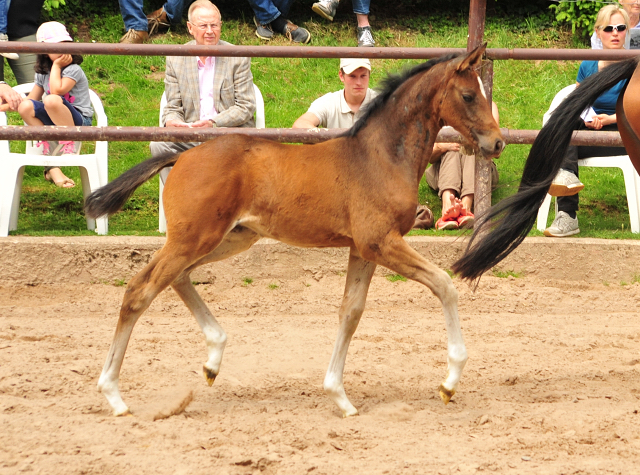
<point x="206" y="91"/>
<point x="452" y="175"/>
<point x="341" y="109"/>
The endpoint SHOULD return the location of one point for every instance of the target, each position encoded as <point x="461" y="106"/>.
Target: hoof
<point x="126" y="413"/>
<point x="446" y="394"/>
<point x="209" y="375"/>
<point x="350" y="414"/>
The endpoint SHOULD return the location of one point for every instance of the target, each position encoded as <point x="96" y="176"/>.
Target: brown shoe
<point x="134" y="37"/>
<point x="158" y="21"/>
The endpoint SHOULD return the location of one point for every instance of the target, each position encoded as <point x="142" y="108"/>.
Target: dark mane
<point x="389" y="85"/>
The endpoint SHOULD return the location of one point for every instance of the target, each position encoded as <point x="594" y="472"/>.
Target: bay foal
<point x="358" y="191"/>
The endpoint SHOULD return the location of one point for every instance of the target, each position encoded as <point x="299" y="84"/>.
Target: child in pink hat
<point x="60" y="96"/>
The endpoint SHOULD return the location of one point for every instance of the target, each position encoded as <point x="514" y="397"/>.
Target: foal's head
<point x="464" y="105"/>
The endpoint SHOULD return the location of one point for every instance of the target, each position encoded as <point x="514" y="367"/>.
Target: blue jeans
<point x="4" y="9"/>
<point x="268" y="10"/>
<point x="135" y="19"/>
<point x="361" y="6"/>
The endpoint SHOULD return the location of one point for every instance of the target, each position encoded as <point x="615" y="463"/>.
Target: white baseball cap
<point x="349" y="65"/>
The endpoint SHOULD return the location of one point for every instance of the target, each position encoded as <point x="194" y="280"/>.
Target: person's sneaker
<point x="296" y="33"/>
<point x="565" y="184"/>
<point x="69" y="147"/>
<point x="49" y="147"/>
<point x="446" y="224"/>
<point x="264" y="32"/>
<point x="326" y="8"/>
<point x="158" y="21"/>
<point x="134" y="37"/>
<point x="4" y="37"/>
<point x="365" y="37"/>
<point x="563" y="226"/>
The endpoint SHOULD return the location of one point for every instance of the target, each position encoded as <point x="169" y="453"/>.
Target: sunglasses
<point x="618" y="28"/>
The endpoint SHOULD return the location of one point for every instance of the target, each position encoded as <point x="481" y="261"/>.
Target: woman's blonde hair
<point x="206" y="4"/>
<point x="605" y="14"/>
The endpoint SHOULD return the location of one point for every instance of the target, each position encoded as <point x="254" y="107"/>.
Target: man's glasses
<point x="206" y="26"/>
<point x="618" y="28"/>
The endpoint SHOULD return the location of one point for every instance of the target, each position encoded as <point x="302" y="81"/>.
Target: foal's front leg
<point x="398" y="256"/>
<point x="359" y="276"/>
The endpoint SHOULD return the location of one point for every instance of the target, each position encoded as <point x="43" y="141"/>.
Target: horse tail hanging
<point x="506" y="224"/>
<point x="112" y="197"/>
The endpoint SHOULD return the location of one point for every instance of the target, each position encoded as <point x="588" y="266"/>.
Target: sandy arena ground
<point x="552" y="385"/>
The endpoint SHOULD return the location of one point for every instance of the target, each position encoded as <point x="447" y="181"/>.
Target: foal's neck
<point x="408" y="124"/>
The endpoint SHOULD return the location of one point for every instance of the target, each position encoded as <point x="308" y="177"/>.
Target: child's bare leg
<point x="58" y="112"/>
<point x="28" y="113"/>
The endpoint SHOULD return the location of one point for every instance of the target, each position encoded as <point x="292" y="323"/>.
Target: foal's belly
<point x="311" y="231"/>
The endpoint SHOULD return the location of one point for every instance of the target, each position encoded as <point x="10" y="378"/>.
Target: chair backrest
<point x="557" y="100"/>
<point x="260" y="119"/>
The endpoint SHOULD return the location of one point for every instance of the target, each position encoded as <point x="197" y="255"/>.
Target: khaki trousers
<point x="455" y="171"/>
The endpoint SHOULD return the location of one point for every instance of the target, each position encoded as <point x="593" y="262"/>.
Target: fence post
<point x="482" y="186"/>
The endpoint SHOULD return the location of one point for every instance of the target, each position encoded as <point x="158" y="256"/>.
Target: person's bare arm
<point x="307" y="120"/>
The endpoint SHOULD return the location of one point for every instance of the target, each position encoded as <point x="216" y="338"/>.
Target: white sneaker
<point x="69" y="147"/>
<point x="565" y="184"/>
<point x="4" y="37"/>
<point x="326" y="8"/>
<point x="563" y="226"/>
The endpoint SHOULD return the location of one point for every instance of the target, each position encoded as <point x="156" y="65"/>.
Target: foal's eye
<point x="467" y="97"/>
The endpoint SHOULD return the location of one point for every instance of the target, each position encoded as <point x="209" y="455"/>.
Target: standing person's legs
<point x="361" y="9"/>
<point x="174" y="10"/>
<point x="4" y="9"/>
<point x="132" y="15"/>
<point x="271" y="15"/>
<point x="23" y="67"/>
<point x="266" y="10"/>
<point x="135" y="22"/>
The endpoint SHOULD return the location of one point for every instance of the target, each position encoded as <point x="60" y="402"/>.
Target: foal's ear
<point x="472" y="59"/>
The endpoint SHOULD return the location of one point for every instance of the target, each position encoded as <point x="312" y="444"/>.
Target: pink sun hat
<point x="52" y="32"/>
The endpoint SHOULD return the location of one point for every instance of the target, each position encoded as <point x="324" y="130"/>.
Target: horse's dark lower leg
<point x="398" y="256"/>
<point x="238" y="240"/>
<point x="141" y="290"/>
<point x="359" y="276"/>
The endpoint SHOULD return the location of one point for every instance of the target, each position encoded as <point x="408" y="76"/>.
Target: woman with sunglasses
<point x="632" y="7"/>
<point x="611" y="27"/>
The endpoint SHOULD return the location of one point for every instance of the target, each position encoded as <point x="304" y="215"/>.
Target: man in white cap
<point x="341" y="109"/>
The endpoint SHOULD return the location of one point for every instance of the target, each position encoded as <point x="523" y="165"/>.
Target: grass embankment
<point x="131" y="88"/>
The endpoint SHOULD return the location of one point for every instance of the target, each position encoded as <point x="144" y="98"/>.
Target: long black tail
<point x="506" y="224"/>
<point x="111" y="198"/>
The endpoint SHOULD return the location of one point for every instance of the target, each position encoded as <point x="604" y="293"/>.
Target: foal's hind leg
<point x="238" y="240"/>
<point x="141" y="290"/>
<point x="355" y="295"/>
<point x="398" y="256"/>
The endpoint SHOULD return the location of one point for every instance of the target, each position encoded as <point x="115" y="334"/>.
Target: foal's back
<point x="307" y="195"/>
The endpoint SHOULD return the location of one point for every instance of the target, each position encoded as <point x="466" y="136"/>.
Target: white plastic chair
<point x="631" y="178"/>
<point x="93" y="169"/>
<point x="260" y="124"/>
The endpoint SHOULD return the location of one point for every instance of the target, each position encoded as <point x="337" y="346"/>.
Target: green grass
<point x="131" y="87"/>
<point x="503" y="274"/>
<point x="247" y="281"/>
<point x="396" y="278"/>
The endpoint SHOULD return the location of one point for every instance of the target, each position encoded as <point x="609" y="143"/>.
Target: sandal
<point x="65" y="183"/>
<point x="447" y="224"/>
